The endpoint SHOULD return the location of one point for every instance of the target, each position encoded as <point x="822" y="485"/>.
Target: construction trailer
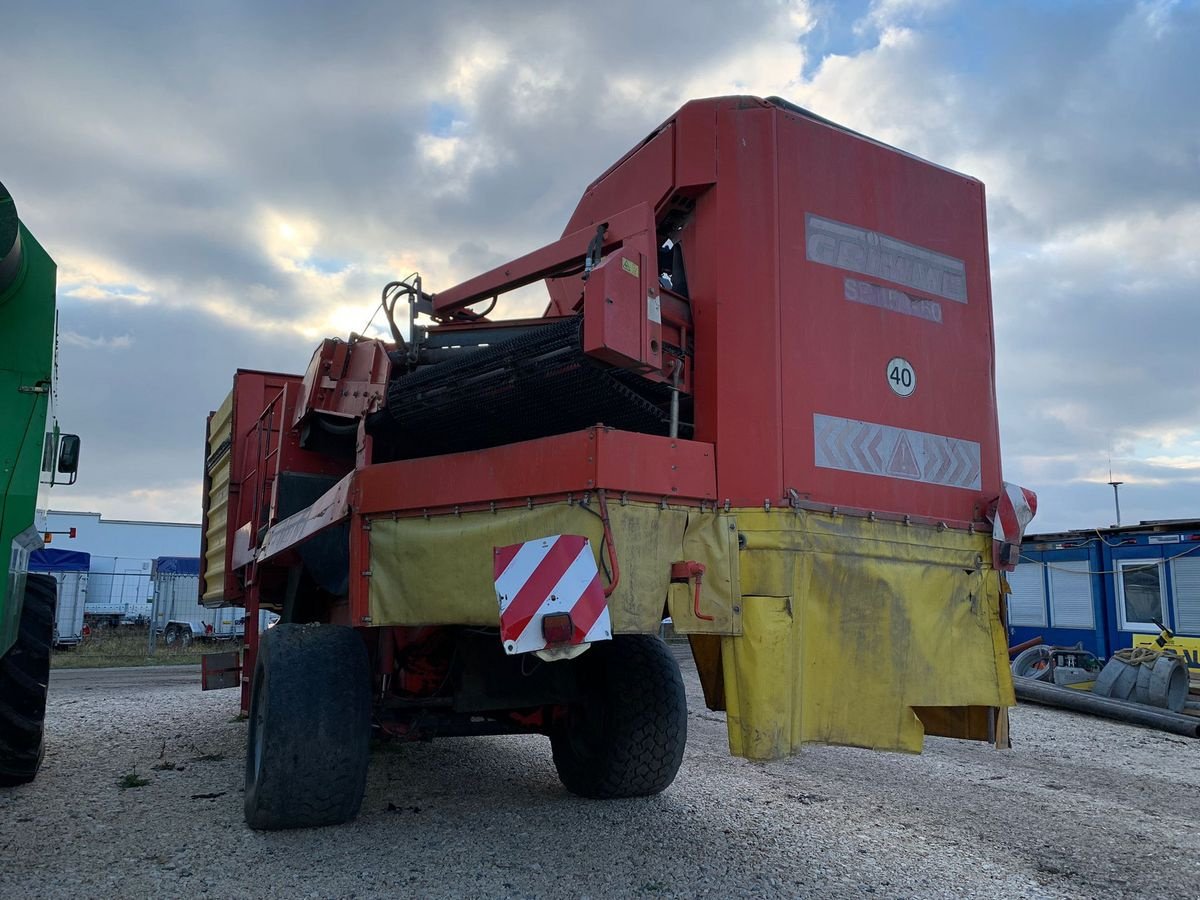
<point x="1110" y="588"/>
<point x="122" y="556"/>
<point x="178" y="615"/>
<point x="175" y="588"/>
<point x="69" y="569"/>
<point x="34" y="455"/>
<point x="120" y="591"/>
<point x="760" y="400"/>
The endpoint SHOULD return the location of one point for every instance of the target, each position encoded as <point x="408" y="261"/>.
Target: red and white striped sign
<point x="549" y="575"/>
<point x="1012" y="512"/>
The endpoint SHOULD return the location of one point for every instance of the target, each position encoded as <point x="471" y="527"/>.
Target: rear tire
<point x="310" y="728"/>
<point x="24" y="676"/>
<point x="626" y="739"/>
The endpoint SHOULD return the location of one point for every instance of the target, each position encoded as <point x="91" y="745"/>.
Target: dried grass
<point x="125" y="646"/>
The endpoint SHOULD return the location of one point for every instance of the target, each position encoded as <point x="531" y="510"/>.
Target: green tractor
<point x="31" y="454"/>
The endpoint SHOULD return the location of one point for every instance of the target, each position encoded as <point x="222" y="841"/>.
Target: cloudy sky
<point x="224" y="183"/>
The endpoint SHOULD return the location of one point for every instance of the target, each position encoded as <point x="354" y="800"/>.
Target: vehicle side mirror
<point x="68" y="454"/>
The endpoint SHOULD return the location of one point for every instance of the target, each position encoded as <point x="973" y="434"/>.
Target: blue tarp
<point x="50" y="560"/>
<point x="177" y="565"/>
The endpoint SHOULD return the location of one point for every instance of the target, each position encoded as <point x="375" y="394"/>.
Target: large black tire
<point x="310" y="728"/>
<point x="626" y="738"/>
<point x="24" y="676"/>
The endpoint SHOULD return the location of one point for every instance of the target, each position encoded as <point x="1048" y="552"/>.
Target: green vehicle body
<point x="27" y="331"/>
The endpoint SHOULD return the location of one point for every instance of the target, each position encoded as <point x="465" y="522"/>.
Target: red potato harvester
<point x="760" y="401"/>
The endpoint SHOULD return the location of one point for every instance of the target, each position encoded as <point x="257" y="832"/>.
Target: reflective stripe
<point x="549" y="575"/>
<point x="520" y="566"/>
<point x="564" y="597"/>
<point x="873" y="449"/>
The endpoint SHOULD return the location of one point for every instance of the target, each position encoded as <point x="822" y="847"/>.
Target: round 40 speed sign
<point x="901" y="377"/>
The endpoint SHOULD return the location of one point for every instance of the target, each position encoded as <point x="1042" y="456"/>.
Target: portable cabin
<point x="1110" y="588"/>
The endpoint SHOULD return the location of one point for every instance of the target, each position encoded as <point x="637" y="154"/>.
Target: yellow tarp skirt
<point x="439" y="571"/>
<point x="850" y="624"/>
<point x="823" y="629"/>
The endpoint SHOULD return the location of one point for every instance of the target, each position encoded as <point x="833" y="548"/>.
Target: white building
<point x="122" y="553"/>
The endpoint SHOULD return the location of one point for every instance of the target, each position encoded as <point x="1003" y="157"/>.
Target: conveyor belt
<point x="531" y="386"/>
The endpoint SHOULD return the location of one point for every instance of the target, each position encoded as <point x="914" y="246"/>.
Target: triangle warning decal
<point x="903" y="463"/>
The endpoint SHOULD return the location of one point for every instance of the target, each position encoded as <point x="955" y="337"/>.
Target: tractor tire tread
<point x="644" y="742"/>
<point x="316" y="731"/>
<point x="24" y="677"/>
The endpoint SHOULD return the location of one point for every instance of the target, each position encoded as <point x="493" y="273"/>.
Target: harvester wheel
<point x="310" y="728"/>
<point x="24" y="675"/>
<point x="626" y="738"/>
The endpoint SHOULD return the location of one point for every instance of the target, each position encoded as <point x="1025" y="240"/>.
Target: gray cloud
<point x="164" y="150"/>
<point x="1081" y="121"/>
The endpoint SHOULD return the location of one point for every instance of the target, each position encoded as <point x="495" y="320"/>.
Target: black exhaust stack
<point x="10" y="240"/>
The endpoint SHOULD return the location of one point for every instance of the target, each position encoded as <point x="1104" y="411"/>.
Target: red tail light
<point x="557" y="628"/>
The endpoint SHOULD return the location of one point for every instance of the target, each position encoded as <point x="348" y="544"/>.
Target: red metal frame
<point x="772" y="335"/>
<point x="252" y="391"/>
<point x="345" y="379"/>
<point x="619" y="461"/>
<point x="634" y="225"/>
<point x="262" y="446"/>
<point x="776" y="341"/>
<point x="599" y="461"/>
<point x="620" y="297"/>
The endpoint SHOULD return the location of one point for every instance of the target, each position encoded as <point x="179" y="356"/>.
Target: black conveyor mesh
<point x="528" y="387"/>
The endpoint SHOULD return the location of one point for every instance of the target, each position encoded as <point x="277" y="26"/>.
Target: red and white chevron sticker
<point x="891" y="452"/>
<point x="554" y="574"/>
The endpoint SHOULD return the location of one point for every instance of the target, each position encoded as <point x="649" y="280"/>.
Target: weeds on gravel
<point x="122" y="646"/>
<point x="132" y="780"/>
<point x="217" y="756"/>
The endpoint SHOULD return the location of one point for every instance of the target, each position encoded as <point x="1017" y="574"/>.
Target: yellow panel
<point x="438" y="571"/>
<point x="217" y="516"/>
<point x="849" y="623"/>
<point x="1186" y="648"/>
<point x="711" y="539"/>
<point x="833" y="629"/>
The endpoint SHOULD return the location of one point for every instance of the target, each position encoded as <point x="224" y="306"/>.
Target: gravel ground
<point x="1080" y="808"/>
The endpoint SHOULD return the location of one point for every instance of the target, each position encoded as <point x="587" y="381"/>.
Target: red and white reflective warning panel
<point x="547" y="576"/>
<point x="1011" y="514"/>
